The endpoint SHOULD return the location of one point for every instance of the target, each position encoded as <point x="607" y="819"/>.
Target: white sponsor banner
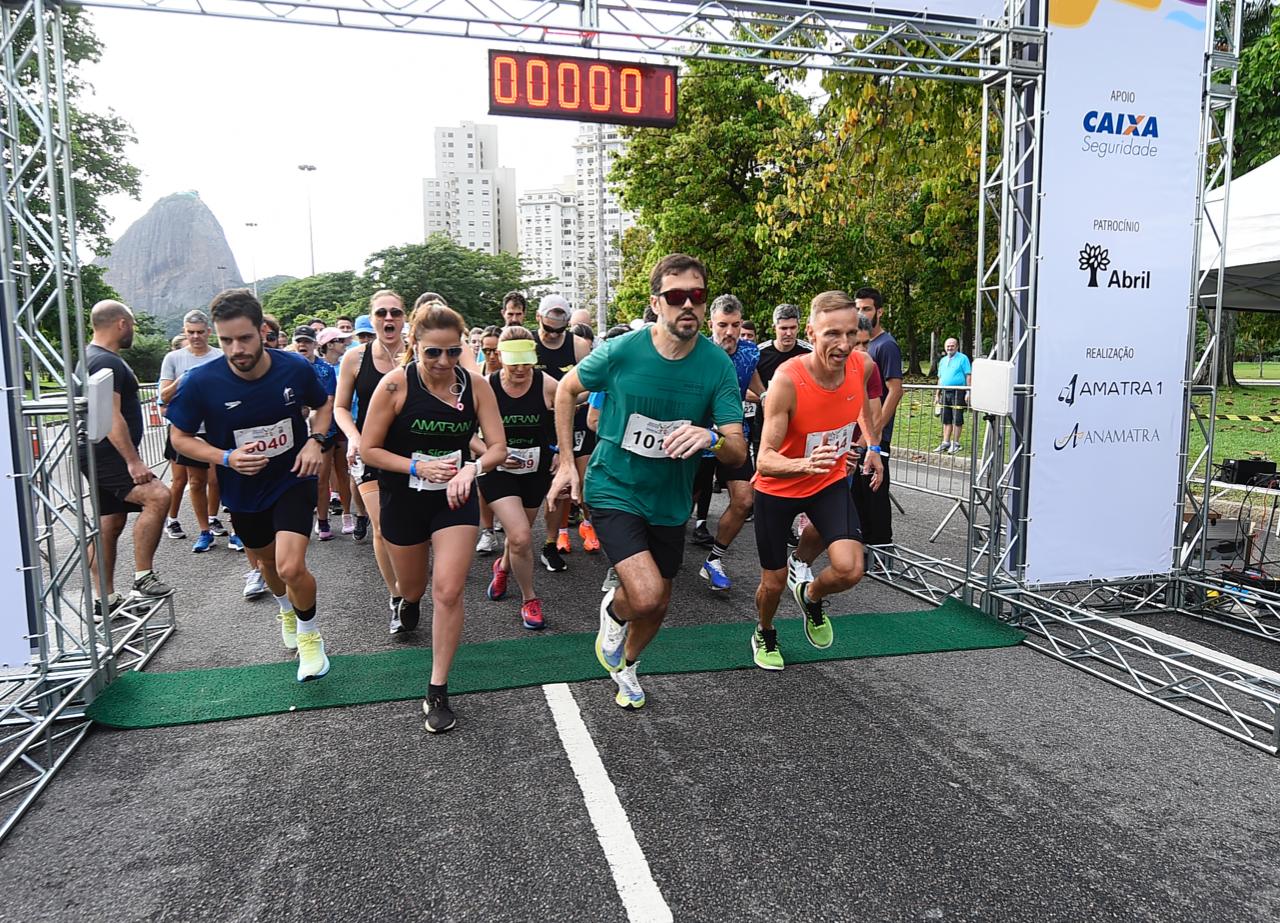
<point x="1121" y="136"/>
<point x="15" y="645"/>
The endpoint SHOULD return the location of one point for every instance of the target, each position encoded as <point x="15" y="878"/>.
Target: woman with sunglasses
<point x="362" y="368"/>
<point x="419" y="425"/>
<point x="516" y="488"/>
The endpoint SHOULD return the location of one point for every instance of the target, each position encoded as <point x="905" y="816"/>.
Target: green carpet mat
<point x="143" y="700"/>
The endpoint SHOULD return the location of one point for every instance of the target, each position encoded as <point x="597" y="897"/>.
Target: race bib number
<point x="270" y="441"/>
<point x="579" y="437"/>
<point x="421" y="483"/>
<point x="528" y="460"/>
<point x="748" y="410"/>
<point x="840" y="439"/>
<point x="644" y="436"/>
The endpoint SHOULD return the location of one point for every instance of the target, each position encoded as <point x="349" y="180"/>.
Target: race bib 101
<point x="272" y="440"/>
<point x="644" y="436"/>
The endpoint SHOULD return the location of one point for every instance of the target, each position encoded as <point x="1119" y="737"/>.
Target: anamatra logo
<point x="440" y="426"/>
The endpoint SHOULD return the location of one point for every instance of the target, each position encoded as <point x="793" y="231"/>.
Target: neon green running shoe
<point x="817" y="627"/>
<point x="289" y="629"/>
<point x="764" y="649"/>
<point x="312" y="662"/>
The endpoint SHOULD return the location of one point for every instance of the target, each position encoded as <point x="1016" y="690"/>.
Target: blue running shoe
<point x="713" y="573"/>
<point x="203" y="543"/>
<point x="235" y="544"/>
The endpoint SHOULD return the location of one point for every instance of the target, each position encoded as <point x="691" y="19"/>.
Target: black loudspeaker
<point x="1244" y="470"/>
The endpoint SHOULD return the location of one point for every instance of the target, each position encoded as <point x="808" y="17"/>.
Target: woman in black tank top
<point x="516" y="490"/>
<point x="358" y="376"/>
<point x="419" y="424"/>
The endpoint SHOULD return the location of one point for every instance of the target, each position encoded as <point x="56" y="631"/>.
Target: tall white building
<point x="609" y="140"/>
<point x="549" y="237"/>
<point x="471" y="199"/>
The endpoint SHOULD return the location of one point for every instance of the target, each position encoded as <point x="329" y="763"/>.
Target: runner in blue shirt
<point x="254" y="408"/>
<point x="725" y="321"/>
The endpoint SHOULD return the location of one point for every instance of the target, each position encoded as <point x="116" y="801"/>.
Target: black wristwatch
<point x="318" y="437"/>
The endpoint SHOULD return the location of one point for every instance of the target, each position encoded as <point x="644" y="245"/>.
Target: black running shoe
<point x="151" y="587"/>
<point x="440" y="716"/>
<point x="409" y="614"/>
<point x="701" y="536"/>
<point x="551" y="559"/>
<point x="362" y="528"/>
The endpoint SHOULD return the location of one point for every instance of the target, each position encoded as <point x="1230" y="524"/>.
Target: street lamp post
<point x="307" y="168"/>
<point x="253" y="255"/>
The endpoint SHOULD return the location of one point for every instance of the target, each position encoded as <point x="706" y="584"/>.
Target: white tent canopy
<point x="1252" y="277"/>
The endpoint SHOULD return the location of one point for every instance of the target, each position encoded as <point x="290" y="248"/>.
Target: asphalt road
<point x="981" y="785"/>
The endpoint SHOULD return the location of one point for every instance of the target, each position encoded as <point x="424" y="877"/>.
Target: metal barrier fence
<point x="154" y="430"/>
<point x="919" y="459"/>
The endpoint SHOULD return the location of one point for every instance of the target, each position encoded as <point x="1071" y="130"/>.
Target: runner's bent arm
<point x="755" y="388"/>
<point x="490" y="420"/>
<point x="566" y="477"/>
<point x="892" y="395"/>
<point x="123" y="443"/>
<point x="384" y="406"/>
<point x="771" y="462"/>
<point x="347" y="372"/>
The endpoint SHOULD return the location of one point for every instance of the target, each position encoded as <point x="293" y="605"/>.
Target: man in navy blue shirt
<point x="874" y="507"/>
<point x="255" y="410"/>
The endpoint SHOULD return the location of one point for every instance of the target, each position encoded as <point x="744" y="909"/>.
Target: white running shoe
<point x="312" y="660"/>
<point x="611" y="638"/>
<point x="798" y="572"/>
<point x="488" y="542"/>
<point x="255" y="585"/>
<point x="630" y="695"/>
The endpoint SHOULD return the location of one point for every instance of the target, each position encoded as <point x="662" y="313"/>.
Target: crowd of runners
<point x="436" y="442"/>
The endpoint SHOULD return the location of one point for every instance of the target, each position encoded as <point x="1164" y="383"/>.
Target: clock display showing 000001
<point x="582" y="89"/>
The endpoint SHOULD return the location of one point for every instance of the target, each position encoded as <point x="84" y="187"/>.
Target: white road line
<point x="640" y="895"/>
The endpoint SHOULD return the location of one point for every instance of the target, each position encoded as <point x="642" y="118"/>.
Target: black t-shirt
<point x="770" y="359"/>
<point x="125" y="383"/>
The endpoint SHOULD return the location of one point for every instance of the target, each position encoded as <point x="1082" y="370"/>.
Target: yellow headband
<point x="518" y="352"/>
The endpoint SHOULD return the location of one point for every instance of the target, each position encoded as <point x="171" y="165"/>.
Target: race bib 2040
<point x="420" y="482"/>
<point x="272" y="440"/>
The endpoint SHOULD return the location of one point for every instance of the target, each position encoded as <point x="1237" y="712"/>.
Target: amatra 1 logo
<point x="1095" y="258"/>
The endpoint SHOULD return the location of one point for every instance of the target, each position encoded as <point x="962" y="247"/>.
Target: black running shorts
<point x="292" y="512"/>
<point x="831" y="511"/>
<point x="411" y="517"/>
<point x="625" y="535"/>
<point x="114" y="483"/>
<point x="178" y="458"/>
<point x="530" y="488"/>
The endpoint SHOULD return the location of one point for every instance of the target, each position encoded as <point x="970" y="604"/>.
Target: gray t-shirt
<point x="180" y="361"/>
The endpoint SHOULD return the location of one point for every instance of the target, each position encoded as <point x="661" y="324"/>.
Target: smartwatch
<point x="318" y="437"/>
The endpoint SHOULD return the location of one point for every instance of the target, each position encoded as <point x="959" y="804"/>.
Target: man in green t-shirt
<point x="672" y="394"/>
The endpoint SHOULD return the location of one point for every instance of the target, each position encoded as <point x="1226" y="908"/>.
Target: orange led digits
<point x="583" y="89"/>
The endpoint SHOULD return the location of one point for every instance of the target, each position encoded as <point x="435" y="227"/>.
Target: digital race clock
<point x="583" y="89"/>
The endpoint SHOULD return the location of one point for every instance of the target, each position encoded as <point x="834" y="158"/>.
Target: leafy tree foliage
<point x="695" y="188"/>
<point x="470" y="281"/>
<point x="324" y="295"/>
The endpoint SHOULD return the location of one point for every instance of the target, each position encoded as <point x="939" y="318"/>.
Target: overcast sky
<point x="230" y="109"/>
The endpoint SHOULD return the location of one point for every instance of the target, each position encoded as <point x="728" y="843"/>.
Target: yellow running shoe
<point x="312" y="662"/>
<point x="289" y="629"/>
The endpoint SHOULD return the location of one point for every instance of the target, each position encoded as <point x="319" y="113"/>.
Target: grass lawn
<point x="1245" y="439"/>
<point x="1270" y="370"/>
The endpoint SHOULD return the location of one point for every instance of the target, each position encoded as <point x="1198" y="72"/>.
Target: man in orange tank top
<point x="810" y="411"/>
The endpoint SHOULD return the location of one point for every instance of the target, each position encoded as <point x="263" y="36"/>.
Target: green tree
<point x="694" y="188"/>
<point x="470" y="281"/>
<point x="324" y="295"/>
<point x="880" y="186"/>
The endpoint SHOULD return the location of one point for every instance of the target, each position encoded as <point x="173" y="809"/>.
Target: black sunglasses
<point x="435" y="352"/>
<point x="678" y="297"/>
<point x="384" y="312"/>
